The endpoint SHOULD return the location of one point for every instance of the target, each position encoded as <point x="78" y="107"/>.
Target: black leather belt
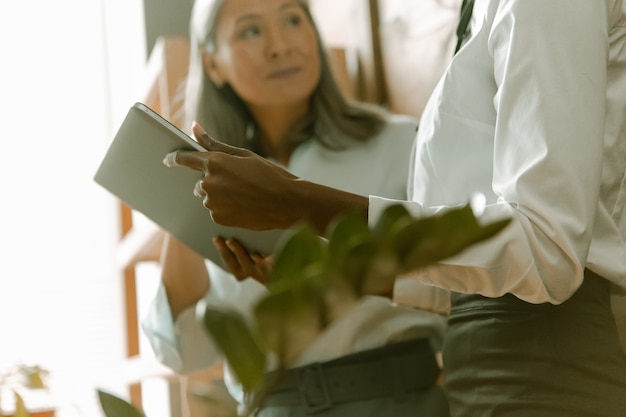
<point x="390" y="371"/>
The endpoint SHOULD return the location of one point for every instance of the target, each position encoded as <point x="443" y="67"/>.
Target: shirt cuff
<point x="158" y="326"/>
<point x="377" y="206"/>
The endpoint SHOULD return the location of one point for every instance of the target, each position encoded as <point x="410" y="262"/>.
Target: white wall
<point x="68" y="71"/>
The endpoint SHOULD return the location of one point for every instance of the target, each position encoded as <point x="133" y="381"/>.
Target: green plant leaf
<point x="380" y="275"/>
<point x="351" y="246"/>
<point x="300" y="249"/>
<point x="239" y="344"/>
<point x="391" y="219"/>
<point x="20" y="407"/>
<point x="352" y="263"/>
<point x="433" y="239"/>
<point x="290" y="319"/>
<point x="114" y="406"/>
<point x="34" y="376"/>
<point x="347" y="230"/>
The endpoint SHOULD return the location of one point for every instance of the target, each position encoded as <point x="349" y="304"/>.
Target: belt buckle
<point x="312" y="377"/>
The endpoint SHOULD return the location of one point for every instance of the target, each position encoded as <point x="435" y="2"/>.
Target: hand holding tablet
<point x="134" y="171"/>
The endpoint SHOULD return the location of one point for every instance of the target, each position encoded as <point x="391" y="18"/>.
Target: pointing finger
<point x="211" y="144"/>
<point x="190" y="159"/>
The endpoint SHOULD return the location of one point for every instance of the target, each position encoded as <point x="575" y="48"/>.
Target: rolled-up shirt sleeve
<point x="183" y="345"/>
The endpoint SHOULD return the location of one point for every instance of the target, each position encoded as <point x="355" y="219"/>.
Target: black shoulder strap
<point x="462" y="30"/>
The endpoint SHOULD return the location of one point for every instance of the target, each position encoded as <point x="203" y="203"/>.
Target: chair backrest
<point x="417" y="40"/>
<point x="402" y="47"/>
<point x="166" y="70"/>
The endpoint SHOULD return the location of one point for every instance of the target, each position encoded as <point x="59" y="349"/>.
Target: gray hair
<point x="332" y="120"/>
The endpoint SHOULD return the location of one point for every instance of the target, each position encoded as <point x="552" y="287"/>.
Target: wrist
<point x="319" y="205"/>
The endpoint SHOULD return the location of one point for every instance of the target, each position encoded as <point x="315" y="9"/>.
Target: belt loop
<point x="311" y="380"/>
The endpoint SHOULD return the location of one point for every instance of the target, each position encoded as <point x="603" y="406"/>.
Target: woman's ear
<point x="211" y="67"/>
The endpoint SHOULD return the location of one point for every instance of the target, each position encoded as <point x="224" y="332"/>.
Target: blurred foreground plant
<point x="314" y="281"/>
<point x="114" y="406"/>
<point x="17" y="378"/>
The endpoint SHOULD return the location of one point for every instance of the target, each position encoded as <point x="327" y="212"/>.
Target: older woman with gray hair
<point x="259" y="78"/>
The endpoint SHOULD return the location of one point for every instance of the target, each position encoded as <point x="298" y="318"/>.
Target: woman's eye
<point x="294" y="20"/>
<point x="249" y="32"/>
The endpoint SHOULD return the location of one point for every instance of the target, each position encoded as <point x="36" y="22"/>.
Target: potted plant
<point x="24" y="392"/>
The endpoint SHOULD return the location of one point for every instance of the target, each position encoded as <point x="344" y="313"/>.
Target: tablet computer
<point x="133" y="170"/>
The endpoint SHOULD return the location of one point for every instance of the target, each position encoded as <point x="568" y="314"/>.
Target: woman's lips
<point x="284" y="73"/>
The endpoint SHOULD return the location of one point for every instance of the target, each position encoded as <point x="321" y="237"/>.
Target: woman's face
<point x="267" y="51"/>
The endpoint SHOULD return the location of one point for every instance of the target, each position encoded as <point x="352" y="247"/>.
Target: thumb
<point x="211" y="144"/>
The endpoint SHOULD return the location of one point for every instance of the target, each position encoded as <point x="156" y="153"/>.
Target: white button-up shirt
<point x="532" y="114"/>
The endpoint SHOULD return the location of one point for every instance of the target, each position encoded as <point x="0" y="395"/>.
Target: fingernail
<point x="195" y="126"/>
<point x="169" y="159"/>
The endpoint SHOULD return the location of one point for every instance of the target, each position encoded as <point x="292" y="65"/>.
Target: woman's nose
<point x="278" y="43"/>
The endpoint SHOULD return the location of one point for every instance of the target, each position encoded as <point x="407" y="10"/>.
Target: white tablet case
<point x="133" y="170"/>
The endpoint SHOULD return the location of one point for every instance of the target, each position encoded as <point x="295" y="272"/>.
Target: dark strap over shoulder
<point x="462" y="30"/>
